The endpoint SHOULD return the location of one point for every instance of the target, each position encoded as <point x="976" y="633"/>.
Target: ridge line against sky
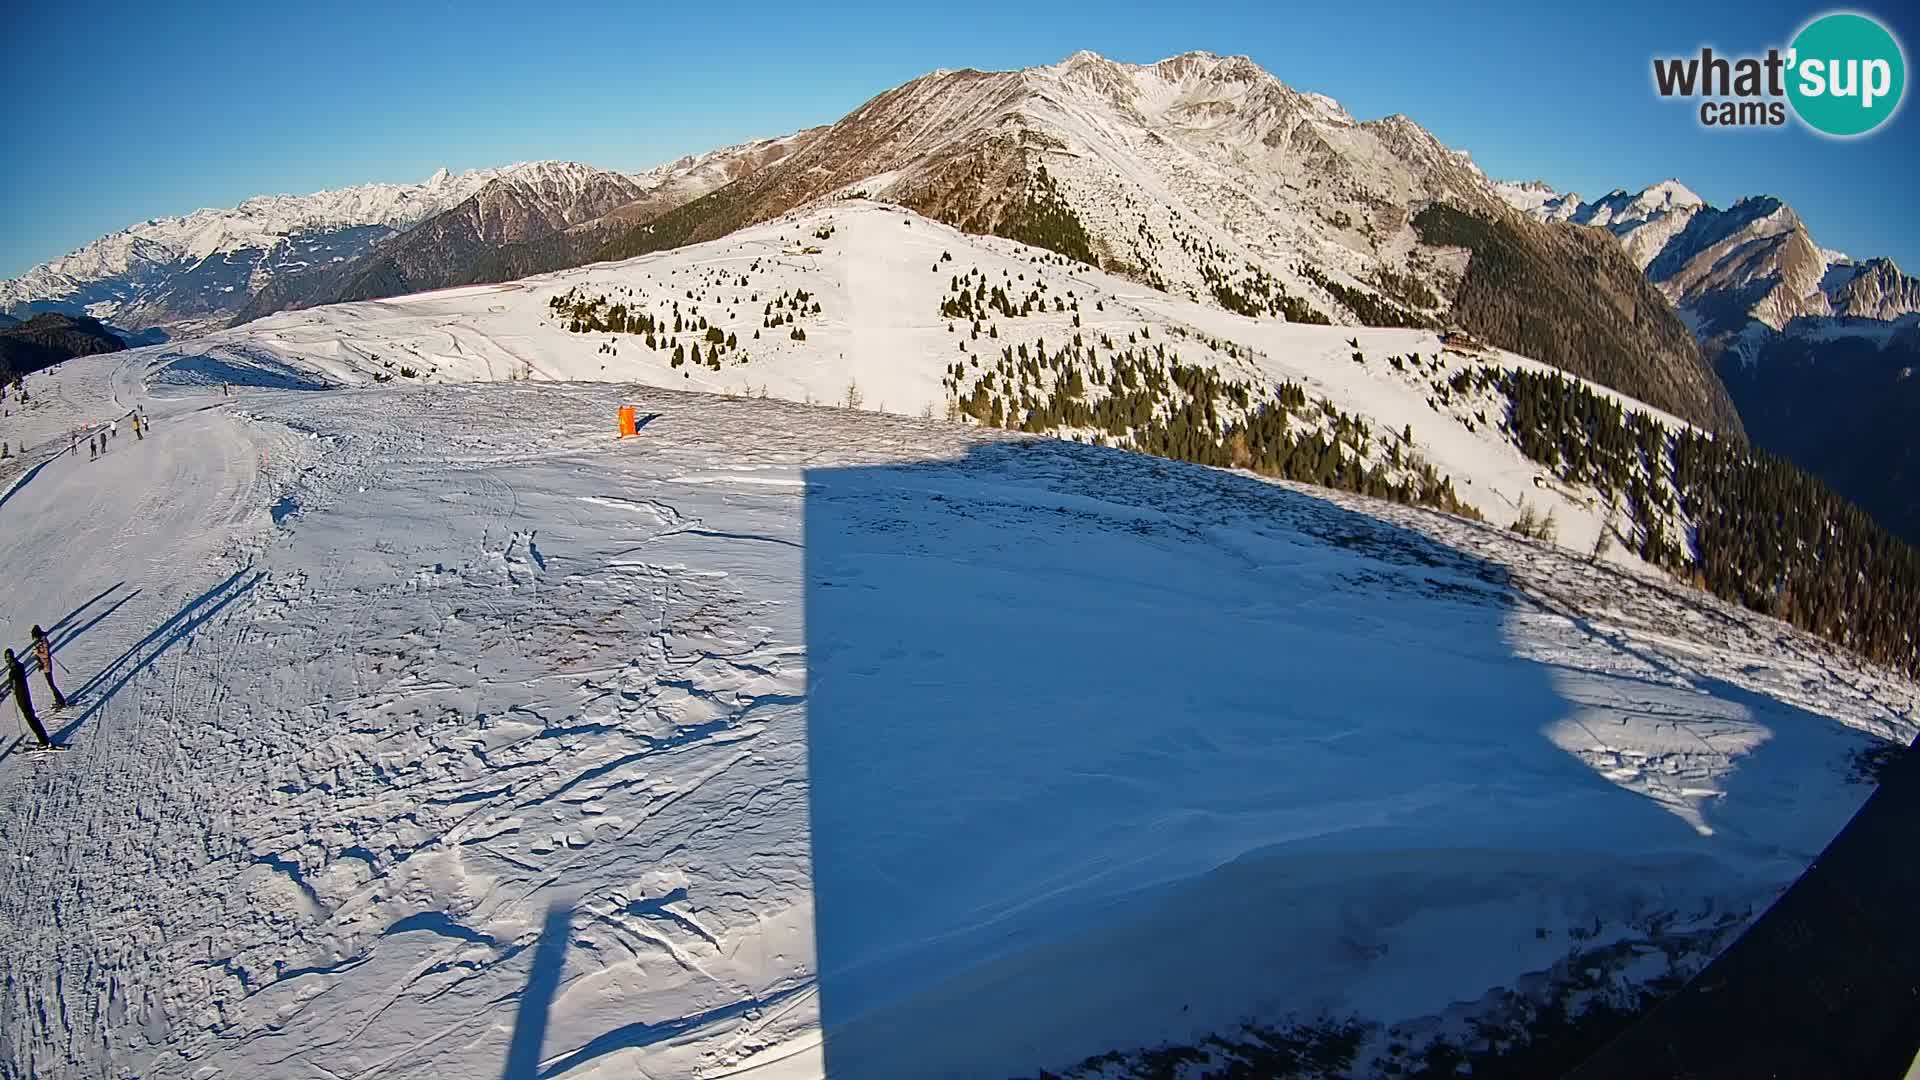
<point x="152" y="113"/>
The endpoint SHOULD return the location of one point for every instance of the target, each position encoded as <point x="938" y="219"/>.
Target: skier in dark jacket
<point x="43" y="652"/>
<point x="23" y="697"/>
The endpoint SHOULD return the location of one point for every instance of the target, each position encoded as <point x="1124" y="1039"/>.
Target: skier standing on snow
<point x="17" y="677"/>
<point x="93" y="448"/>
<point x="136" y="429"/>
<point x="43" y="652"/>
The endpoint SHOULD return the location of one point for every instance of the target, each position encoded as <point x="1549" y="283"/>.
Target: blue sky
<point x="125" y="111"/>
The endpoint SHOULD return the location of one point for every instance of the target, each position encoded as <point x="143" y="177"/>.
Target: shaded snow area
<point x="430" y="731"/>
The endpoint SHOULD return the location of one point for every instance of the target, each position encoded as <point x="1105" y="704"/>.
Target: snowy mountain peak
<point x="1538" y="199"/>
<point x="1212" y="65"/>
<point x="1668" y="194"/>
<point x="1195" y="78"/>
<point x="1622" y="207"/>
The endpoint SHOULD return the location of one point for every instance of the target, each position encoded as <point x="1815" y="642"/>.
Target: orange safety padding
<point x="627" y="421"/>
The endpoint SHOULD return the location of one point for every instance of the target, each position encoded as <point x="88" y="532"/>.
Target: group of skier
<point x="97" y="443"/>
<point x="23" y="693"/>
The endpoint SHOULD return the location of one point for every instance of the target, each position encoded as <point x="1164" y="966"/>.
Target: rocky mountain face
<point x="1754" y="261"/>
<point x="1874" y="289"/>
<point x="1817" y="349"/>
<point x="48" y="338"/>
<point x="445" y="249"/>
<point x="1154" y="167"/>
<point x="1207" y="177"/>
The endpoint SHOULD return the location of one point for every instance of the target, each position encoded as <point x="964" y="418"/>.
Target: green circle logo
<point x="1848" y="74"/>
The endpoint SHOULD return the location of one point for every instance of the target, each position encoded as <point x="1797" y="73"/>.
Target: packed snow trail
<point x="121" y="559"/>
<point x="443" y="735"/>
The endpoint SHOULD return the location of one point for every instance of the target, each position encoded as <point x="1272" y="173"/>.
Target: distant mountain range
<point x="185" y="274"/>
<point x="1754" y="261"/>
<point x="1817" y="348"/>
<point x="540" y="217"/>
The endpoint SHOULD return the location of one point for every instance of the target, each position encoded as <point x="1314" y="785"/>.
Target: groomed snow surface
<point x="431" y="731"/>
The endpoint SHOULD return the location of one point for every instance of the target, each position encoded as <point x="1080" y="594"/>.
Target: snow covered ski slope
<point x="429" y="731"/>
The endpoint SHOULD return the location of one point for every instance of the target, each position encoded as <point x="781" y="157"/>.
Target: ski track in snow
<point x="780" y="712"/>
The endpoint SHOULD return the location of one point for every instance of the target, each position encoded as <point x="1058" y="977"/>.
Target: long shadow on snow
<point x="530" y="1021"/>
<point x="1096" y="739"/>
<point x="108" y="681"/>
<point x="64" y="638"/>
<point x="58" y="633"/>
<point x="255" y="368"/>
<point x="70" y="616"/>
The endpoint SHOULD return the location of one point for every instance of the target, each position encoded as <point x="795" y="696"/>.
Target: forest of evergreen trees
<point x="1773" y="538"/>
<point x="1765" y="535"/>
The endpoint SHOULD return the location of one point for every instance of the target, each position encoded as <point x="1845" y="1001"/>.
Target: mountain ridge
<point x="172" y="271"/>
<point x="1755" y="259"/>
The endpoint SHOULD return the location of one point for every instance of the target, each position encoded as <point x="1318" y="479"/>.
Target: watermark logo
<point x="1843" y="75"/>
